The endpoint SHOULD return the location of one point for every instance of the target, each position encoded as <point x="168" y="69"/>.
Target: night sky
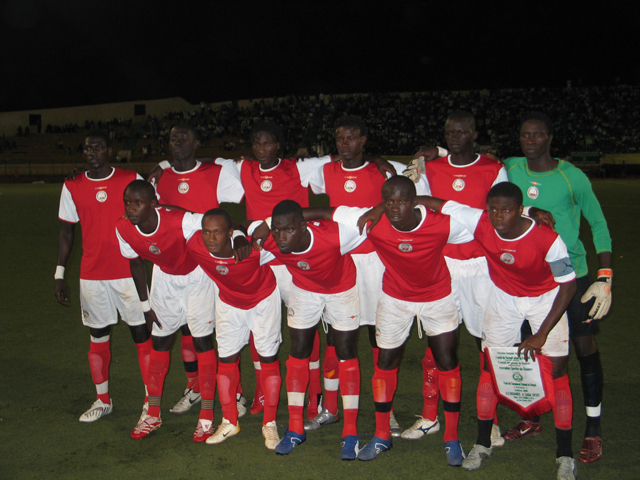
<point x="65" y="53"/>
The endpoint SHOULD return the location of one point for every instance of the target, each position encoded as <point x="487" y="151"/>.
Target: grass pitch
<point x="45" y="383"/>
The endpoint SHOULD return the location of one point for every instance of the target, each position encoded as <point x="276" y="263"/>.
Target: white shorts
<point x="101" y="300"/>
<point x="234" y="325"/>
<point x="341" y="310"/>
<point x="369" y="272"/>
<point x="505" y="314"/>
<point x="182" y="300"/>
<point x="395" y="317"/>
<point x="471" y="285"/>
<point x="284" y="281"/>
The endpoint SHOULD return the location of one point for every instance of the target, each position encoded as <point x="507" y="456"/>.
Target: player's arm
<point x="318" y="213"/>
<point x="534" y="343"/>
<point x="415" y="169"/>
<point x="600" y="289"/>
<point x="65" y="244"/>
<point x="139" y="275"/>
<point x="259" y="231"/>
<point x="384" y="167"/>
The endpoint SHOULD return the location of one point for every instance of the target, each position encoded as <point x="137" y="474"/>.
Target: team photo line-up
<point x="495" y="245"/>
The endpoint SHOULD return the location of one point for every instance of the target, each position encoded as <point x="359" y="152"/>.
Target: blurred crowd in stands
<point x="600" y="119"/>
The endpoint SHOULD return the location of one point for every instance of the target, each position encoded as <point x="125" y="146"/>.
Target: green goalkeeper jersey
<point x="566" y="192"/>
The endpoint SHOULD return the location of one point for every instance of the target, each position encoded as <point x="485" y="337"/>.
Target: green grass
<point x="45" y="382"/>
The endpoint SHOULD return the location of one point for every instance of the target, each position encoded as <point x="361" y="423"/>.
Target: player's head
<point x="95" y="150"/>
<point x="288" y="228"/>
<point x="217" y="230"/>
<point x="399" y="197"/>
<point x="139" y="201"/>
<point x="183" y="141"/>
<point x="351" y="135"/>
<point x="536" y="134"/>
<point x="266" y="140"/>
<point x="504" y="207"/>
<point x="460" y="132"/>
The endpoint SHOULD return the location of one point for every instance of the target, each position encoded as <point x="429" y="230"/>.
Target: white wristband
<point x="525" y="211"/>
<point x="146" y="306"/>
<point x="442" y="152"/>
<point x="59" y="275"/>
<point x="237" y="233"/>
<point x="164" y="164"/>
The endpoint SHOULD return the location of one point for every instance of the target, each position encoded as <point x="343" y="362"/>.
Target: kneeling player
<point x="181" y="294"/>
<point x="534" y="280"/>
<point x="247" y="302"/>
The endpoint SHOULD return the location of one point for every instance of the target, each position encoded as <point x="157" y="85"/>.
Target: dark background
<point x="65" y="53"/>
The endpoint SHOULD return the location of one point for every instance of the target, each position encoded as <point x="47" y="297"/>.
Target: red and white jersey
<point x="415" y="269"/>
<point x="521" y="267"/>
<point x="242" y="285"/>
<point x="200" y="189"/>
<point x="324" y="267"/>
<point x="466" y="184"/>
<point x="353" y="187"/>
<point x="288" y="180"/>
<point x="97" y="205"/>
<point x="166" y="247"/>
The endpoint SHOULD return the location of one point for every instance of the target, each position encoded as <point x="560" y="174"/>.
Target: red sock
<point x="144" y="350"/>
<point x="482" y="363"/>
<point x="331" y="369"/>
<point x="297" y="380"/>
<point x="486" y="398"/>
<point x="384" y="386"/>
<point x="190" y="359"/>
<point x="271" y="382"/>
<point x="208" y="363"/>
<point x="99" y="359"/>
<point x="350" y="390"/>
<point x="563" y="411"/>
<point x="158" y="367"/>
<point x="258" y="399"/>
<point x="228" y="376"/>
<point x="449" y="383"/>
<point x="315" y="385"/>
<point x="430" y="388"/>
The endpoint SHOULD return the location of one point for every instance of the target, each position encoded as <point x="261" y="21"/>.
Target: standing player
<point x="559" y="187"/>
<point x="409" y="240"/>
<point x="181" y="294"/>
<point x="95" y="200"/>
<point x="196" y="187"/>
<point x="465" y="177"/>
<point x="533" y="280"/>
<point x="247" y="303"/>
<point x="353" y="182"/>
<point x="324" y="285"/>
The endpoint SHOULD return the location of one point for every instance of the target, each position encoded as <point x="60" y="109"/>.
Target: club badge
<point x="303" y="265"/>
<point x="222" y="269"/>
<point x="183" y="187"/>
<point x="350" y="186"/>
<point x="101" y="196"/>
<point x="507" y="258"/>
<point x="458" y="184"/>
<point x="533" y="193"/>
<point x="266" y="185"/>
<point x="405" y="247"/>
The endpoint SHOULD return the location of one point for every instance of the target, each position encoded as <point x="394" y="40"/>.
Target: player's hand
<point x="374" y="215"/>
<point x="74" y="173"/>
<point x="384" y="167"/>
<point x="241" y="248"/>
<point x="150" y="317"/>
<point x="415" y="169"/>
<point x="154" y="176"/>
<point x="532" y="346"/>
<point x="61" y="292"/>
<point x="259" y="236"/>
<point x="428" y="153"/>
<point x="542" y="217"/>
<point x="242" y="158"/>
<point x="601" y="291"/>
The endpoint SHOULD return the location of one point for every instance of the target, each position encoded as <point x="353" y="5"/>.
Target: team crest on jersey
<point x="405" y="247"/>
<point x="266" y="185"/>
<point x="303" y="265"/>
<point x="507" y="258"/>
<point x="458" y="184"/>
<point x="350" y="186"/>
<point x="222" y="270"/>
<point x="101" y="196"/>
<point x="154" y="249"/>
<point x="183" y="187"/>
<point x="533" y="193"/>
